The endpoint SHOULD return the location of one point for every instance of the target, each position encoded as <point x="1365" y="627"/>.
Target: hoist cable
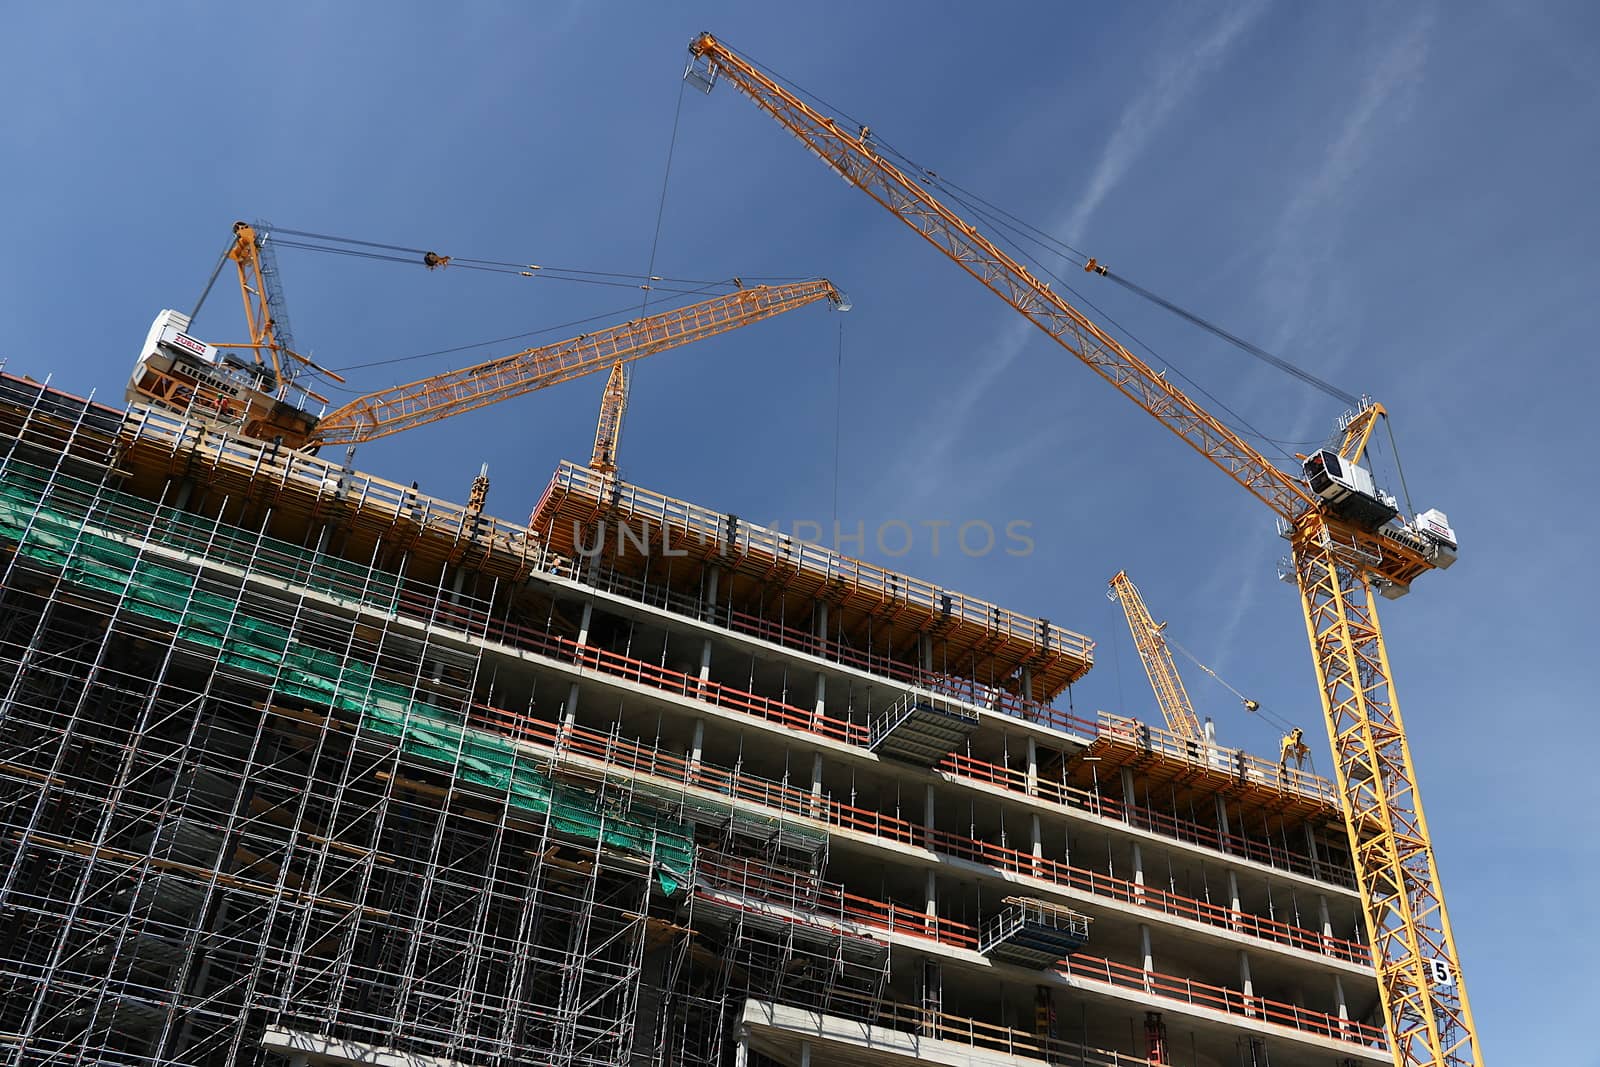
<point x="1257" y="708"/>
<point x="1394" y="450"/>
<point x="1235" y="340"/>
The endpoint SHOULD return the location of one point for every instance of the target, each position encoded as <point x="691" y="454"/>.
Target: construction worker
<point x="1294" y="746"/>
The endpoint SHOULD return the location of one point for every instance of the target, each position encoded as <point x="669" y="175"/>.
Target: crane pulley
<point x="1349" y="546"/>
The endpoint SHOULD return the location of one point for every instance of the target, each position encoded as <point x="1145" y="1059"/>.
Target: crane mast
<point x="1343" y="559"/>
<point x="441" y="396"/>
<point x="608" y="428"/>
<point x="1148" y="638"/>
<point x="269" y="341"/>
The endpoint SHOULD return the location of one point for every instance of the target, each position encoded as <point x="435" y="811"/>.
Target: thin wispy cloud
<point x="1307" y="223"/>
<point x="1176" y="77"/>
<point x="1307" y="229"/>
<point x="1174" y="81"/>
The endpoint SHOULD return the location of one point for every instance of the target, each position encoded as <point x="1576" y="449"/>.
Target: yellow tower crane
<point x="257" y="391"/>
<point x="1148" y="638"/>
<point x="608" y="428"/>
<point x="1348" y="547"/>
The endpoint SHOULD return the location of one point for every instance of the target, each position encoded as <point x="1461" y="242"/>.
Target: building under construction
<point x="298" y="765"/>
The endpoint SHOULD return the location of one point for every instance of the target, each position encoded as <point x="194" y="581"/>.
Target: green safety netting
<point x="68" y="526"/>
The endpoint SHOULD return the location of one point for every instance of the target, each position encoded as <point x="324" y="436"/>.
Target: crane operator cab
<point x="185" y="375"/>
<point x="1348" y="491"/>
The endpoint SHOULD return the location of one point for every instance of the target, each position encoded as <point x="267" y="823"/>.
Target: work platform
<point x="624" y="527"/>
<point x="921" y="729"/>
<point x="1033" y="933"/>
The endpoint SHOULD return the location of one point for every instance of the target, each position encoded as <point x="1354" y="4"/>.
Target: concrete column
<point x="705" y="661"/>
<point x="805" y="1054"/>
<point x="569" y="716"/>
<point x="1147" y="961"/>
<point x="816" y="783"/>
<point x="1246" y="984"/>
<point x="741" y="1048"/>
<point x="1027" y="683"/>
<point x="1312" y="851"/>
<point x="1222" y="824"/>
<point x="1138" y="872"/>
<point x="1323" y="918"/>
<point x="1343" y="1008"/>
<point x="925" y="652"/>
<point x="1036" y="839"/>
<point x="822" y="680"/>
<point x="697" y="745"/>
<point x="933" y="894"/>
<point x="1033" y="768"/>
<point x="712" y="575"/>
<point x="927" y="816"/>
<point x="1233" y="900"/>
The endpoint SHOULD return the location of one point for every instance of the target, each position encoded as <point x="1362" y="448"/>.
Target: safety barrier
<point x="764" y="882"/>
<point x="639" y="758"/>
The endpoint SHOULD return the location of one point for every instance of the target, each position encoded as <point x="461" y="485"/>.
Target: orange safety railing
<point x="436" y="609"/>
<point x="808" y="897"/>
<point x="643" y="759"/>
<point x="961" y="1029"/>
<point x="970" y="690"/>
<point x="989" y="698"/>
<point x="1093" y="968"/>
<point x="797" y="718"/>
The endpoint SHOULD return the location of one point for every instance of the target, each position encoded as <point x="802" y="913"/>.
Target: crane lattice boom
<point x="1176" y="707"/>
<point x="443" y="395"/>
<point x="1339" y="565"/>
<point x="608" y="428"/>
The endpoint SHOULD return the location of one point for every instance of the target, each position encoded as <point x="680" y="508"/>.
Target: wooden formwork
<point x="625" y="527"/>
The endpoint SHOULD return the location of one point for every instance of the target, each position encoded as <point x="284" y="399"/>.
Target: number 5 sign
<point x="1441" y="972"/>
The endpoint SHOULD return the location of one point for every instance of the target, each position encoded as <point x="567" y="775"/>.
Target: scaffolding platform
<point x="920" y="729"/>
<point x="1033" y="933"/>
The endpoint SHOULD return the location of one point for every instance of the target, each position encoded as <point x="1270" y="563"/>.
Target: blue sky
<point x="1398" y="197"/>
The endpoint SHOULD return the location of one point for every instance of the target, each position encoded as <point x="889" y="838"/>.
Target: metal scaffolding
<point x="271" y="786"/>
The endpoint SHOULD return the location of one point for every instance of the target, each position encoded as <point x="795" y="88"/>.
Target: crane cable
<point x="1019" y="232"/>
<point x="377" y="250"/>
<point x="607" y="316"/>
<point x="1258" y="352"/>
<point x="650" y="268"/>
<point x="1252" y="706"/>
